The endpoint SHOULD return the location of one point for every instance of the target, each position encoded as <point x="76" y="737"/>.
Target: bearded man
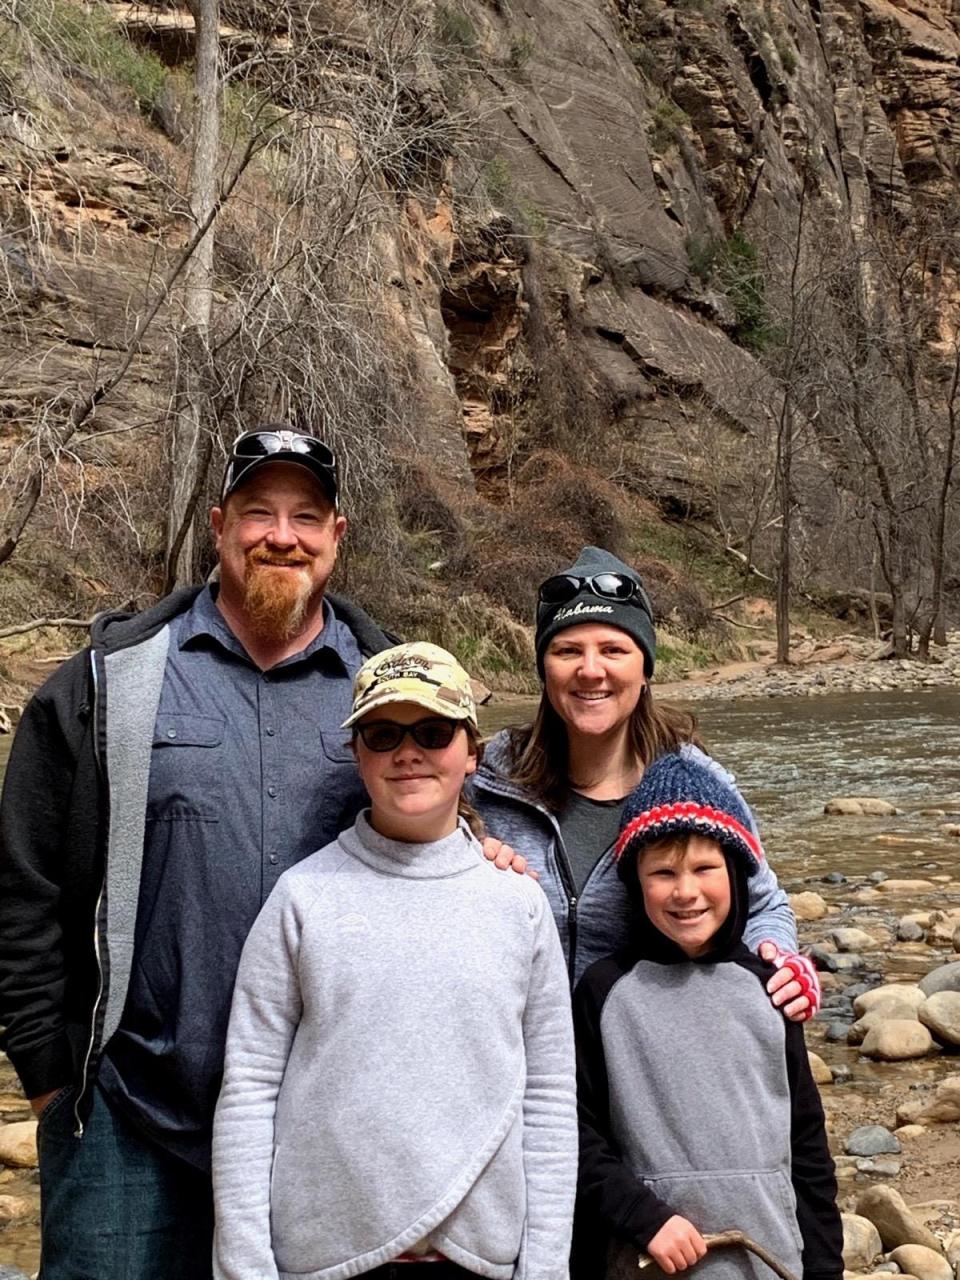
<point x="160" y="783"/>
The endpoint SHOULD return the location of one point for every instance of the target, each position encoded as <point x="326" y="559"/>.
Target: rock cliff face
<point x="558" y="291"/>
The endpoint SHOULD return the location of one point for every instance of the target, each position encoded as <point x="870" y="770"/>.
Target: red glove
<point x="802" y="971"/>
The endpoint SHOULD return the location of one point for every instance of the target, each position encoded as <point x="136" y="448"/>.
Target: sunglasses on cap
<point x="255" y="447"/>
<point x="386" y="735"/>
<point x="610" y="586"/>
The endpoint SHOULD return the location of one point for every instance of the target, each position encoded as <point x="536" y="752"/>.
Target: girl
<point x="399" y="1080"/>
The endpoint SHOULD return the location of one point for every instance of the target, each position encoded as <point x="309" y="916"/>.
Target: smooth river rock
<point x="860" y="806"/>
<point x="944" y="978"/>
<point x="861" y="1242"/>
<point x="13" y="1208"/>
<point x="905" y="886"/>
<point x="942" y="1108"/>
<point x="896" y="1040"/>
<point x="941" y="1013"/>
<point x="871" y="1140"/>
<point x="886" y="1011"/>
<point x="925" y="1264"/>
<point x="808" y="905"/>
<point x="819" y="1069"/>
<point x="18" y="1144"/>
<point x="853" y="940"/>
<point x="908" y="992"/>
<point x="887" y="1210"/>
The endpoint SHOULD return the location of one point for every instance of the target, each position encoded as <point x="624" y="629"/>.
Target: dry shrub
<point x="549" y="483"/>
<point x="425" y="504"/>
<point x="675" y="599"/>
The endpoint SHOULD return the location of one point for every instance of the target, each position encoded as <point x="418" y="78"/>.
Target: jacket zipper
<point x="566" y="875"/>
<point x="96" y="919"/>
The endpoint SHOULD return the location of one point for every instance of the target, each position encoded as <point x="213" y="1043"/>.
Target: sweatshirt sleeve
<point x="50" y="778"/>
<point x="549" y="1109"/>
<point x="814" y="1178"/>
<point x="611" y="1200"/>
<point x="263" y="1021"/>
<point x="770" y="917"/>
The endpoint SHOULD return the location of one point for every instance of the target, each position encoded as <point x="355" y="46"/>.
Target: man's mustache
<point x="259" y="556"/>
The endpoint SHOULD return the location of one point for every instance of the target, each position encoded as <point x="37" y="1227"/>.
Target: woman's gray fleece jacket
<point x="399" y="1066"/>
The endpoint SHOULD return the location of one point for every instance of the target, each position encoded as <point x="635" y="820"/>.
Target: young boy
<point x="399" y="1082"/>
<point x="698" y="1111"/>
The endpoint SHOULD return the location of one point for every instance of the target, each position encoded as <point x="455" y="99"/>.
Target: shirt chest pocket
<point x="186" y="769"/>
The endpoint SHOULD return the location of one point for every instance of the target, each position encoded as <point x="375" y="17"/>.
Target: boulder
<point x="887" y="1210"/>
<point x="946" y="977"/>
<point x="941" y="1013"/>
<point x="951" y="829"/>
<point x="924" y="1263"/>
<point x="861" y="1242"/>
<point x="853" y="940"/>
<point x="909" y="931"/>
<point x="905" y="886"/>
<point x="951" y="1247"/>
<point x="896" y="1040"/>
<point x="942" y="1108"/>
<point x="819" y="1069"/>
<point x="860" y="806"/>
<point x="956" y="938"/>
<point x="871" y="1140"/>
<point x="808" y="905"/>
<point x="908" y="992"/>
<point x="18" y="1144"/>
<point x="885" y="1012"/>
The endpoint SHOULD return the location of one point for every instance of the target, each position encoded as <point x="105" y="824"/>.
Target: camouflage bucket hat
<point x="421" y="673"/>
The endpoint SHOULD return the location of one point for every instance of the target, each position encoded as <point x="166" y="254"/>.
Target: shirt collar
<point x="204" y="622"/>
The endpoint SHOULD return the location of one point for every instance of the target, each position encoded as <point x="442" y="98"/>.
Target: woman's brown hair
<point x="538" y="751"/>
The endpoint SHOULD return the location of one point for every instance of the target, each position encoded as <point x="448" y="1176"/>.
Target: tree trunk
<point x="193" y="417"/>
<point x="784" y="495"/>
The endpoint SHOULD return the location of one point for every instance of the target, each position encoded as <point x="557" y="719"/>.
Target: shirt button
<point x="171" y="733"/>
<point x="270" y="731"/>
<point x="274" y="859"/>
<point x="271" y="791"/>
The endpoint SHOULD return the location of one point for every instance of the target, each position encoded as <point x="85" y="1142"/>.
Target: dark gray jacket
<point x="72" y="823"/>
<point x="594" y="924"/>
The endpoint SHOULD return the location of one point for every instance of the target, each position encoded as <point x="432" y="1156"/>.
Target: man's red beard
<point x="276" y="599"/>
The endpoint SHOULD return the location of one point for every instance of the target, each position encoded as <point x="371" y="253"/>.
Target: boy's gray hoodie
<point x="399" y="1067"/>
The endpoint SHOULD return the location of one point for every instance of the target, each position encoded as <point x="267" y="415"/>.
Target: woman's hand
<point x="503" y="857"/>
<point x="795" y="987"/>
<point x="677" y="1245"/>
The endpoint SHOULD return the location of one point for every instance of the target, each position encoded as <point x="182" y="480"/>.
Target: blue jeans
<point x="115" y="1207"/>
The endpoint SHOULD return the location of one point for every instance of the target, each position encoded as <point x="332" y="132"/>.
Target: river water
<point x="790" y="755"/>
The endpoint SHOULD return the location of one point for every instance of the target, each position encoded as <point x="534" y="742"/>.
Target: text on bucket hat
<point x="419" y="672"/>
<point x="678" y="796"/>
<point x="596" y="588"/>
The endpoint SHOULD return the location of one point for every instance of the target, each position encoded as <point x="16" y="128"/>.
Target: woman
<point x="554" y="790"/>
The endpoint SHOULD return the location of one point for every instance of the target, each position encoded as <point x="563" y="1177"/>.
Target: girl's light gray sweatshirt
<point x="399" y="1066"/>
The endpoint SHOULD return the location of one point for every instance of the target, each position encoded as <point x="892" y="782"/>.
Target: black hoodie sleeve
<point x="39" y="790"/>
<point x="814" y="1175"/>
<point x="611" y="1199"/>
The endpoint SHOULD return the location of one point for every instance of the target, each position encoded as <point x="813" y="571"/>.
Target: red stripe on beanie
<point x="687" y="811"/>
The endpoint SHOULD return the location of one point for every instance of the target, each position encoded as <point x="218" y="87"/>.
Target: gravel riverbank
<point x="843" y="664"/>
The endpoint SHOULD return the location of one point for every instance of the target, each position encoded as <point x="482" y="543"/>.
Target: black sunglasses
<point x="386" y="735"/>
<point x="610" y="586"/>
<point x="253" y="446"/>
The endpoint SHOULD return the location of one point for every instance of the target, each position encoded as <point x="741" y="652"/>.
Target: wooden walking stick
<point x="725" y="1239"/>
